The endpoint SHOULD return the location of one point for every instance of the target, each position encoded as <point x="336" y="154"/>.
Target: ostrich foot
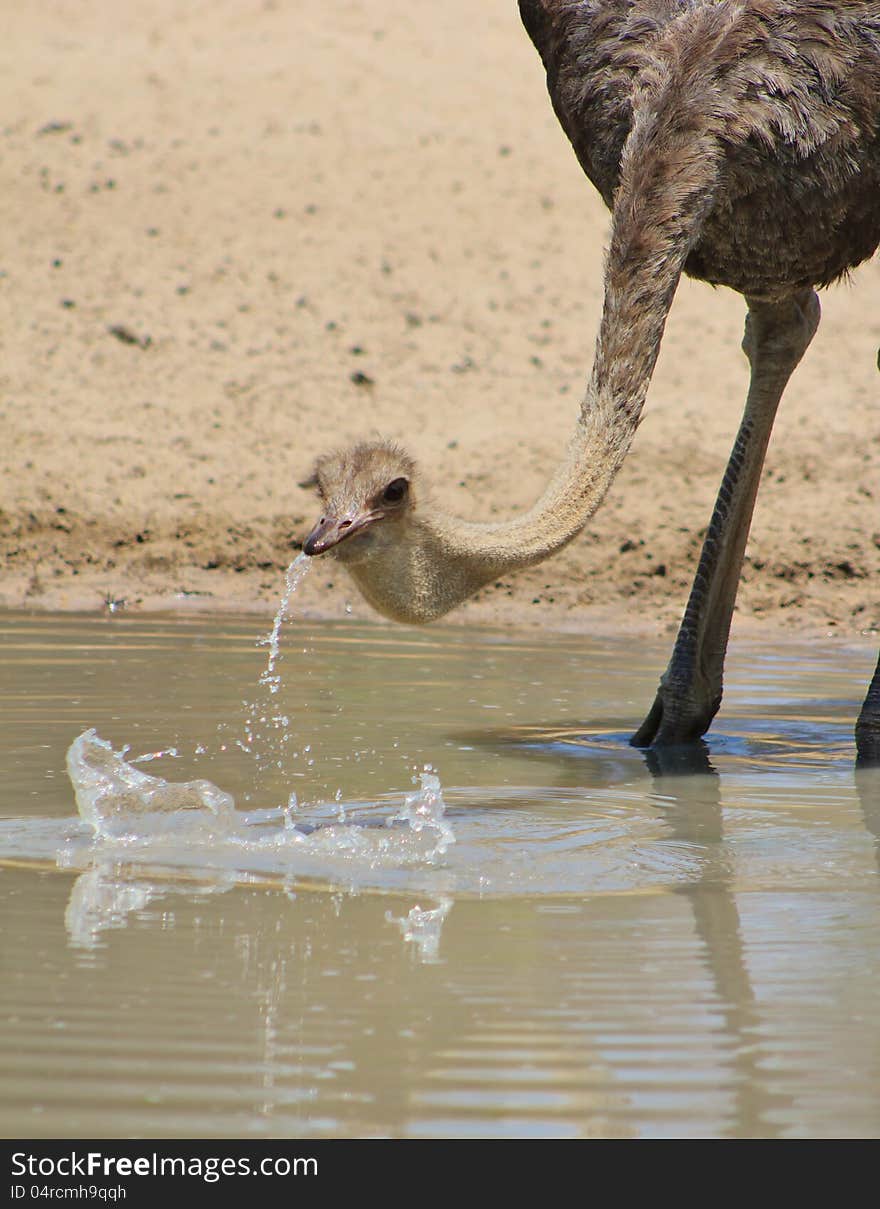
<point x="681" y="713"/>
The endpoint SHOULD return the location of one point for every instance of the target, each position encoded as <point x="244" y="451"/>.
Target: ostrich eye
<point x="395" y="491"/>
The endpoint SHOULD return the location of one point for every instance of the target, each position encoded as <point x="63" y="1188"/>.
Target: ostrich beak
<point x="331" y="530"/>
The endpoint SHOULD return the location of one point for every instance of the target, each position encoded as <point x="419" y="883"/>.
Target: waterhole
<point x="438" y="893"/>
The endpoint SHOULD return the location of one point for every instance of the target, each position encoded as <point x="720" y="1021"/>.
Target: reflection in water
<point x="100" y="899"/>
<point x="691" y="759"/>
<point x="691" y="805"/>
<point x="616" y="944"/>
<point x="108" y="893"/>
<point x="105" y="897"/>
<point x="422" y="928"/>
<point x="688" y="795"/>
<point x="868" y="788"/>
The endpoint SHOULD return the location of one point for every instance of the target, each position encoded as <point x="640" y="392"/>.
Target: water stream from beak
<point x="294" y="576"/>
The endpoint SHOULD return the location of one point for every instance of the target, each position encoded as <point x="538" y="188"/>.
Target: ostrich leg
<point x="776" y="336"/>
<point x="868" y="725"/>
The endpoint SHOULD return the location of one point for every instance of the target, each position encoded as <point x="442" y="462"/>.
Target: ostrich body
<point x="737" y="141"/>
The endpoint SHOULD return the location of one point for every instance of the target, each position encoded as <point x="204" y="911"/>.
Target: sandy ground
<point x="238" y="233"/>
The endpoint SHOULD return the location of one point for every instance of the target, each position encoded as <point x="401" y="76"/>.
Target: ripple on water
<point x="618" y="838"/>
<point x="508" y="846"/>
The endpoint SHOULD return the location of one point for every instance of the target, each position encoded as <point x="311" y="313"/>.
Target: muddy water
<point x="604" y="947"/>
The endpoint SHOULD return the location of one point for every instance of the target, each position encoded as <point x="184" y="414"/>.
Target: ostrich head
<point x="367" y="499"/>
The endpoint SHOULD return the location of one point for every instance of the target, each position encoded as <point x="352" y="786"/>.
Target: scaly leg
<point x="776" y="336"/>
<point x="868" y="725"/>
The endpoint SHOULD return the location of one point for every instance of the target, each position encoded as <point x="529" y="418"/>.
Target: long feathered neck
<point x="668" y="173"/>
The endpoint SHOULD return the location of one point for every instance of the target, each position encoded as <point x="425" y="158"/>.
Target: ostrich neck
<point x="666" y="187"/>
<point x="444" y="559"/>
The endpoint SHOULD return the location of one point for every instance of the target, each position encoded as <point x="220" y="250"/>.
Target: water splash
<point x="294" y="576"/>
<point x="118" y="799"/>
<point x="425" y="809"/>
<point x="154" y="755"/>
<point x="195" y="825"/>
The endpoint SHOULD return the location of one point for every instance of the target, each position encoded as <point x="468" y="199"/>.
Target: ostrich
<point x="737" y="141"/>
